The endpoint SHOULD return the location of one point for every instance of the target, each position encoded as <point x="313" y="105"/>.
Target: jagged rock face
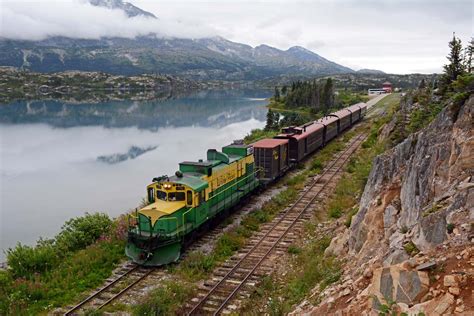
<point x="417" y="188"/>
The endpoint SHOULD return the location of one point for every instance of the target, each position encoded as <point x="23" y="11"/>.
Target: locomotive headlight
<point x="167" y="186"/>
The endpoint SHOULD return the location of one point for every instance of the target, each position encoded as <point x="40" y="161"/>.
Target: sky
<point x="393" y="36"/>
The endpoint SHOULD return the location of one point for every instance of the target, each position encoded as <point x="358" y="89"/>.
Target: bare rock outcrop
<point x="415" y="189"/>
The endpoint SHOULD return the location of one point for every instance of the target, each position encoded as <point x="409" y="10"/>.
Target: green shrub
<point x="411" y="248"/>
<point x="351" y="214"/>
<point x="227" y="244"/>
<point x="55" y="272"/>
<point x="450" y="228"/>
<point x="296" y="180"/>
<point x="294" y="250"/>
<point x="24" y="261"/>
<point x="257" y="134"/>
<point x="316" y="165"/>
<point x="196" y="265"/>
<point x="81" y="232"/>
<point x="252" y="221"/>
<point x="335" y="212"/>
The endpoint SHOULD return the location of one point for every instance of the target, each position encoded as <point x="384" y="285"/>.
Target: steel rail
<point x="102" y="290"/>
<point x="116" y="296"/>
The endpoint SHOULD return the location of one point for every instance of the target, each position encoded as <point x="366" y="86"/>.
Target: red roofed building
<point x="387" y="86"/>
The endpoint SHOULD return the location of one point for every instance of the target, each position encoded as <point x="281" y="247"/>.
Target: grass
<point x="167" y="299"/>
<point x="310" y="268"/>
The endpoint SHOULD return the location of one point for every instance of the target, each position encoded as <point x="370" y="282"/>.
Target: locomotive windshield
<point x="176" y="196"/>
<point x="161" y="195"/>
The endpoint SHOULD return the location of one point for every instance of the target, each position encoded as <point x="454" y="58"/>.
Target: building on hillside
<point x="387" y="86"/>
<point x="376" y="91"/>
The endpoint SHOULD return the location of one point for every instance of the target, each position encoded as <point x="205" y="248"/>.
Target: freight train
<point x="184" y="205"/>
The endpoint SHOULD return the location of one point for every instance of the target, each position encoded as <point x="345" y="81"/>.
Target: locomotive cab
<point x="159" y="221"/>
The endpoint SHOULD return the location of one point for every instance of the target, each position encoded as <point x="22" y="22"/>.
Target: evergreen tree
<point x="273" y="119"/>
<point x="277" y="94"/>
<point x="422" y="84"/>
<point x="276" y="120"/>
<point x="269" y="124"/>
<point x="455" y="66"/>
<point x="468" y="56"/>
<point x="284" y="89"/>
<point x="328" y="96"/>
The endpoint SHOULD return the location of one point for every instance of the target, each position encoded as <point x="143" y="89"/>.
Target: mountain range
<point x="205" y="58"/>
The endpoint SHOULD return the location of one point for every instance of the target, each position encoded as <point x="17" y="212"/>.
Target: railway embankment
<point x="409" y="246"/>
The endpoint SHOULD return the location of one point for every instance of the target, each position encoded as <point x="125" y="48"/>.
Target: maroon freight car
<point x="271" y="155"/>
<point x="330" y="127"/>
<point x="363" y="109"/>
<point x="355" y="112"/>
<point x="344" y="116"/>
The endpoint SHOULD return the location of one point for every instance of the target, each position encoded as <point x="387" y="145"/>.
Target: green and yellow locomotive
<point x="181" y="204"/>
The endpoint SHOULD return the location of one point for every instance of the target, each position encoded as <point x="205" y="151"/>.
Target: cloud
<point x="36" y="20"/>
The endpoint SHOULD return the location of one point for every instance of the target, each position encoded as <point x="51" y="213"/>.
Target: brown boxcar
<point x="271" y="155"/>
<point x="295" y="147"/>
<point x="355" y="112"/>
<point x="344" y="116"/>
<point x="303" y="140"/>
<point x="330" y="127"/>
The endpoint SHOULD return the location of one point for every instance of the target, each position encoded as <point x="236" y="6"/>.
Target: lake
<point x="59" y="160"/>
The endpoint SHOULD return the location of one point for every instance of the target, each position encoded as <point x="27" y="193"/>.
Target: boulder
<point x="450" y="280"/>
<point x="429" y="265"/>
<point x="338" y="245"/>
<point x="400" y="284"/>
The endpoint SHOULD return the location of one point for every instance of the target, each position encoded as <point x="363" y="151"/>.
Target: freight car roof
<point x="341" y="113"/>
<point x="310" y="129"/>
<point x="327" y="120"/>
<point x="355" y="107"/>
<point x="270" y="143"/>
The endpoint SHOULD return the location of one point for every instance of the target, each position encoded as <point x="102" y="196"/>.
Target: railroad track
<point x="128" y="276"/>
<point x="239" y="275"/>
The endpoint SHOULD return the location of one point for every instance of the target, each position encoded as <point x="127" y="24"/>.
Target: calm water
<point x="50" y="166"/>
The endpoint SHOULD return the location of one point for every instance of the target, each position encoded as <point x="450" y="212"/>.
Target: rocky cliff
<point x="410" y="248"/>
